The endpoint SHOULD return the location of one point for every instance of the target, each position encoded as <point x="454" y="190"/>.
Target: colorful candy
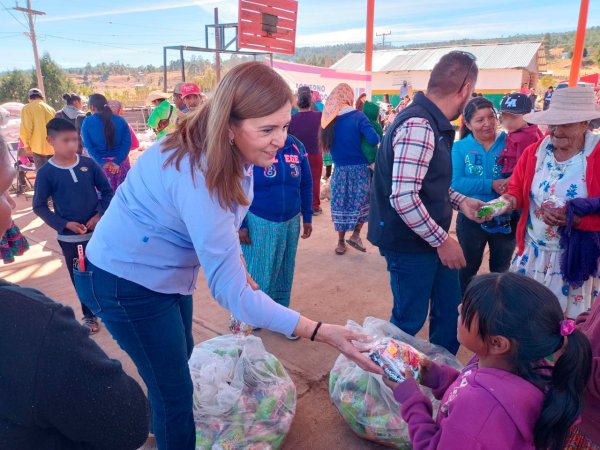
<point x="396" y="358"/>
<point x="491" y="209"/>
<point x="243" y="396"/>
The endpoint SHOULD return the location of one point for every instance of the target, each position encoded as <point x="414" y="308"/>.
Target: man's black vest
<point x="386" y="229"/>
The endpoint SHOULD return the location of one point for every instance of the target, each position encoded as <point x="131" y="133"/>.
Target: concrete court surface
<point x="327" y="287"/>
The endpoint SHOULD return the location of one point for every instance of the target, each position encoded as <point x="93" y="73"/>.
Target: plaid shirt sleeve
<point x="414" y="143"/>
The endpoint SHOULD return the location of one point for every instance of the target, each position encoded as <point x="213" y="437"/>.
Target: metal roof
<point x="489" y="56"/>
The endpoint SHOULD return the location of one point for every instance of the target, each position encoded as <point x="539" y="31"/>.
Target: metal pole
<point x="369" y="42"/>
<point x="164" y="69"/>
<point x="182" y="64"/>
<point x="579" y="43"/>
<point x="217" y="45"/>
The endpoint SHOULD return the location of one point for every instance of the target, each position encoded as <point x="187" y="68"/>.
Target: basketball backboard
<point x="268" y="25"/>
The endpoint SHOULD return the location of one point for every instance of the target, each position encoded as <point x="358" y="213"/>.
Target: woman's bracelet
<point x="314" y="335"/>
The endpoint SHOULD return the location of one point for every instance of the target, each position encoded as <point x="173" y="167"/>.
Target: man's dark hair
<point x="57" y="125"/>
<point x="453" y="71"/>
<point x="35" y="96"/>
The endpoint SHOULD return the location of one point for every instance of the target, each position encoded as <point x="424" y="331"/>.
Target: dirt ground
<point x="327" y="287"/>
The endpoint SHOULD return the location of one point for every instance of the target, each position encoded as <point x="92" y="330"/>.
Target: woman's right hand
<point x="341" y="338"/>
<point x="499" y="186"/>
<point x="111" y="167"/>
<point x="244" y="236"/>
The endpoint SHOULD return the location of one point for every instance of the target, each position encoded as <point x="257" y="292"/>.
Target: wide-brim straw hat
<point x="155" y="95"/>
<point x="568" y="105"/>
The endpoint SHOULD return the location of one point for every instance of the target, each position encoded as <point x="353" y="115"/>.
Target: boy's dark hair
<point x="452" y="72"/>
<point x="474" y="105"/>
<point x="70" y="98"/>
<point x="57" y="125"/>
<point x="36" y="96"/>
<point x="529" y="315"/>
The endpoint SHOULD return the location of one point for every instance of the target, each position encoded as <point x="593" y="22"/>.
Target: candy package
<point x="397" y="358"/>
<point x="554" y="202"/>
<point x="491" y="209"/>
<point x="364" y="401"/>
<point x="243" y="396"/>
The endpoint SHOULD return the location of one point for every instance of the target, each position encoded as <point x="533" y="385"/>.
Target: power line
<point x="12" y="15"/>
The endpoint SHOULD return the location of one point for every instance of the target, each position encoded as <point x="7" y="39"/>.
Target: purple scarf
<point x="581" y="249"/>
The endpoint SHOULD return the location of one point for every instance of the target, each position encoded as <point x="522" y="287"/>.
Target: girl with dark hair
<point x="360" y="101"/>
<point x="523" y="389"/>
<point x="73" y="113"/>
<point x="107" y="139"/>
<point x="477" y="173"/>
<point x="342" y="129"/>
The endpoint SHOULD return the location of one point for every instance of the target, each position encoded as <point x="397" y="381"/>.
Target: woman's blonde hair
<point x="249" y="90"/>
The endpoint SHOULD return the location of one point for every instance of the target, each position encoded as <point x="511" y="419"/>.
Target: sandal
<point x="341" y="248"/>
<point x="92" y="324"/>
<point x="356" y="244"/>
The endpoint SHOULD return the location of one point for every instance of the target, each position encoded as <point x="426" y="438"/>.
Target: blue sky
<point x="134" y="31"/>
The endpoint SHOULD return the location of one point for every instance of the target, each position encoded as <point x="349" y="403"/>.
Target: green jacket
<point x="371" y="110"/>
<point x="162" y="112"/>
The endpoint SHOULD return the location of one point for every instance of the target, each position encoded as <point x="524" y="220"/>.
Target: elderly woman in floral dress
<point x="552" y="174"/>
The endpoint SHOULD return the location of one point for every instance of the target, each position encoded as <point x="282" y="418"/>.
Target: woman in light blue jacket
<point x="180" y="208"/>
<point x="476" y="173"/>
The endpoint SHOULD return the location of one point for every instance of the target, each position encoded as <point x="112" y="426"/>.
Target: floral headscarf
<point x="115" y="106"/>
<point x="341" y="96"/>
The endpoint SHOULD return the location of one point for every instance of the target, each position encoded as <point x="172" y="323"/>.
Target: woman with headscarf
<point x="117" y="108"/>
<point x="558" y="234"/>
<point x="342" y="128"/>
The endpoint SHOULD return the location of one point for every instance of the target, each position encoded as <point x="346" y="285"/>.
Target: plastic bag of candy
<point x="364" y="401"/>
<point x="397" y="358"/>
<point x="243" y="396"/>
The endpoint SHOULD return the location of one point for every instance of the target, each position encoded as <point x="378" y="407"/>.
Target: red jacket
<point x="520" y="187"/>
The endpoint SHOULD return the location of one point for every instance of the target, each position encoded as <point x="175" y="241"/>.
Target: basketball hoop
<point x="268" y="25"/>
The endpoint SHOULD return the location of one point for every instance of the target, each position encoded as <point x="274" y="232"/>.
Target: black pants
<point x="69" y="250"/>
<point x="473" y="240"/>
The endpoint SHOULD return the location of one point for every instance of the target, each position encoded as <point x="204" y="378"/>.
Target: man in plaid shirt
<point x="412" y="203"/>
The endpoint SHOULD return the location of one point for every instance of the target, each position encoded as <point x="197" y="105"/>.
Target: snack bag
<point x="243" y="396"/>
<point x="364" y="401"/>
<point x="554" y="202"/>
<point x="491" y="209"/>
<point x="397" y="358"/>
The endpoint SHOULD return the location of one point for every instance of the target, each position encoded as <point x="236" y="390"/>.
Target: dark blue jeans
<point x="156" y="332"/>
<point x="473" y="240"/>
<point x="421" y="284"/>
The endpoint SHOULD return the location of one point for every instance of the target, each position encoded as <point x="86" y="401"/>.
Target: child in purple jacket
<point x="524" y="387"/>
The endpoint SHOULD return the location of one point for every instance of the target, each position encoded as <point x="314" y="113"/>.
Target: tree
<point x="14" y="86"/>
<point x="56" y="82"/>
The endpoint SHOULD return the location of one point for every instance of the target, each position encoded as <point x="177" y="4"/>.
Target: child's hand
<point x="76" y="227"/>
<point x="91" y="224"/>
<point x="389" y="383"/>
<point x="307" y="230"/>
<point x="244" y="236"/>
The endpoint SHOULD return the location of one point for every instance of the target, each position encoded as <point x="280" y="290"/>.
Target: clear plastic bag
<point x="364" y="401"/>
<point x="243" y="396"/>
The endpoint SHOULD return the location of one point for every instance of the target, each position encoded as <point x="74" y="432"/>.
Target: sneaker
<point x="293" y="338"/>
<point x="92" y="324"/>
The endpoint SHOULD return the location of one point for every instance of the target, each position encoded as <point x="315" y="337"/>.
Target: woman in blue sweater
<point x="477" y="173"/>
<point x="342" y="130"/>
<point x="107" y="139"/>
<point x="270" y="231"/>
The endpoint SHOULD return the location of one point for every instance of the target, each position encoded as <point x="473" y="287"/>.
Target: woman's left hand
<point x="307" y="230"/>
<point x="554" y="217"/>
<point x="470" y="207"/>
<point x="111" y="167"/>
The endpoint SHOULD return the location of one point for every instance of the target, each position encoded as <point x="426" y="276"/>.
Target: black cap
<point x="516" y="103"/>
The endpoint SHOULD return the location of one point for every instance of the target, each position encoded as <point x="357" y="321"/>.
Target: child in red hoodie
<point x="524" y="387"/>
<point x="520" y="134"/>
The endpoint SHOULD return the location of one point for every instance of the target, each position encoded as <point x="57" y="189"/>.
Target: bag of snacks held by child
<point x="361" y="397"/>
<point x="243" y="396"/>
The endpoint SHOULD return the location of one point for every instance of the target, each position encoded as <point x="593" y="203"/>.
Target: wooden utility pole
<point x="217" y="45"/>
<point x="30" y="14"/>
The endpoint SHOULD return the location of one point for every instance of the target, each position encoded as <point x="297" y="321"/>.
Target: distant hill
<point x="328" y="54"/>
